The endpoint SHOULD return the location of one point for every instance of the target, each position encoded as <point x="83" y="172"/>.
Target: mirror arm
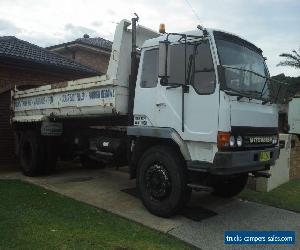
<point x="221" y="76"/>
<point x="174" y="86"/>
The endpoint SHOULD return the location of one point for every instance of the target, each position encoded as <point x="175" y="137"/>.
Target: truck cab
<point x="207" y="92"/>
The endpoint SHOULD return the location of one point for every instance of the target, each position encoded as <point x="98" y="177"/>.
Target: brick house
<point x="295" y="158"/>
<point x="92" y="52"/>
<point x="25" y="65"/>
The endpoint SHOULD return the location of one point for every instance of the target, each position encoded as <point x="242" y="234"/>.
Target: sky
<point x="272" y="25"/>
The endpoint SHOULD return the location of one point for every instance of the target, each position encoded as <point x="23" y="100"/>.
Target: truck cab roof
<point x="173" y="38"/>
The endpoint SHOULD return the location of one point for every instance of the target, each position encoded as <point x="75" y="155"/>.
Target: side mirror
<point x="164" y="62"/>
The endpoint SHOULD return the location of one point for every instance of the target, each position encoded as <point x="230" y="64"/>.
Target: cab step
<point x="197" y="187"/>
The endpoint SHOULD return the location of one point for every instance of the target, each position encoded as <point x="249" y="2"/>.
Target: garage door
<point x="6" y="133"/>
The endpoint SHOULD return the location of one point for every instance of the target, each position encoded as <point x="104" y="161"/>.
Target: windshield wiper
<point x="239" y="94"/>
<point x="255" y="92"/>
<point x="247" y="94"/>
<point x="260" y="93"/>
<point x="246" y="70"/>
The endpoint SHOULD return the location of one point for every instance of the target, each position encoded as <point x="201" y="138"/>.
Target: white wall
<point x="280" y="171"/>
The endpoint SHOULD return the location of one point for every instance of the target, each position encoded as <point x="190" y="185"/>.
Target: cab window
<point x="200" y="70"/>
<point x="149" y="77"/>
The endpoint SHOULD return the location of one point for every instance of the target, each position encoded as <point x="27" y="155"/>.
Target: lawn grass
<point x="34" y="218"/>
<point x="286" y="196"/>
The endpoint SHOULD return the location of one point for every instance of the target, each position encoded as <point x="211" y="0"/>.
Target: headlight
<point x="232" y="141"/>
<point x="226" y="140"/>
<point x="239" y="141"/>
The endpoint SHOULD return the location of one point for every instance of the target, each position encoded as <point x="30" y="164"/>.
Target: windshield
<point x="245" y="69"/>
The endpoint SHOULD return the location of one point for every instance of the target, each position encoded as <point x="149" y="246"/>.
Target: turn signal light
<point x="223" y="139"/>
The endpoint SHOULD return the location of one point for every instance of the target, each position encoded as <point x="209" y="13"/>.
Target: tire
<point x="162" y="181"/>
<point x="38" y="155"/>
<point x="228" y="187"/>
<point x="50" y="155"/>
<point x="31" y="153"/>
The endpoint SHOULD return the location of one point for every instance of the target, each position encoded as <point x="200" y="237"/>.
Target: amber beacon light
<point x="162" y="28"/>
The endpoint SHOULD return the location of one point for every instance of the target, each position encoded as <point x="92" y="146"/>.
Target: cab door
<point x="201" y="101"/>
<point x="146" y="103"/>
<point x="162" y="105"/>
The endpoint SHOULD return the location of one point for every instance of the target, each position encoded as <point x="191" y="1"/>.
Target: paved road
<point x="102" y="188"/>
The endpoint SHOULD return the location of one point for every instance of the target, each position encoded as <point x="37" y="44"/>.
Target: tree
<point x="286" y="91"/>
<point x="291" y="59"/>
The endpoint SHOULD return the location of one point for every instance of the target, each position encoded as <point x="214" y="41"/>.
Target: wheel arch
<point x="143" y="138"/>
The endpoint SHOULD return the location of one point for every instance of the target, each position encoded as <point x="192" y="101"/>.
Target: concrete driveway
<point x="202" y="224"/>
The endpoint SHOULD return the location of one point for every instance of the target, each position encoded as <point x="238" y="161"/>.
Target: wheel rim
<point x="158" y="181"/>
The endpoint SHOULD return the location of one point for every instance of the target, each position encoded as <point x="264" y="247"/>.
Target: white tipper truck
<point x="185" y="111"/>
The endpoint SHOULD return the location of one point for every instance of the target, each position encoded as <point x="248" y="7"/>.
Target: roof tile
<point x="97" y="42"/>
<point x="13" y="47"/>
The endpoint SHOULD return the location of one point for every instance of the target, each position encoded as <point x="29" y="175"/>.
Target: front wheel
<point x="162" y="181"/>
<point x="230" y="186"/>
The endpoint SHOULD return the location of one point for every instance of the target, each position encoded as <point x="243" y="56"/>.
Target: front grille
<point x="255" y="137"/>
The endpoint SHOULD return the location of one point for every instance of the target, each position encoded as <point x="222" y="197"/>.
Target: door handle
<point x="161" y="104"/>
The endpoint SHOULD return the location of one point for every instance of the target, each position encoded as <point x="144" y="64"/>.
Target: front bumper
<point x="234" y="162"/>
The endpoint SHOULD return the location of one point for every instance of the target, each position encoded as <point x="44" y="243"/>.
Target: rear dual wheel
<point x="38" y="155"/>
<point x="162" y="181"/>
